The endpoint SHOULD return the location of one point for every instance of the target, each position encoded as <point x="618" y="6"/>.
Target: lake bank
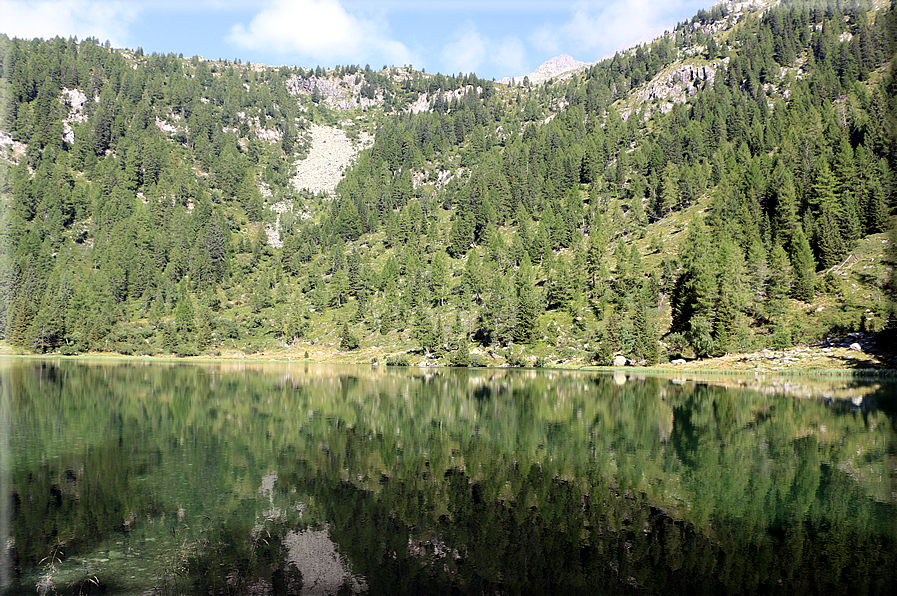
<point x="843" y="356"/>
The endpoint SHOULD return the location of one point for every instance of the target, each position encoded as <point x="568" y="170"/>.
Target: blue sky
<point x="493" y="38"/>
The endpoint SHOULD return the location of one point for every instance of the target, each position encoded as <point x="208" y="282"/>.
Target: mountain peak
<point x="549" y="69"/>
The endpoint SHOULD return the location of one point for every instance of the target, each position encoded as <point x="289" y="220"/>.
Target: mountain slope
<point x="724" y="188"/>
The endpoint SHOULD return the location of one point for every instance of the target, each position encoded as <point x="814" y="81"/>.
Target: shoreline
<point x="837" y="363"/>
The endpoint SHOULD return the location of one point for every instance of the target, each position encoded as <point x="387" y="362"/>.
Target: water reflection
<point x="276" y="478"/>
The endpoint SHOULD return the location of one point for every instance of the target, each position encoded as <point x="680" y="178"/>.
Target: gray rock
<point x="856" y="347"/>
<point x="620" y="361"/>
<point x="678" y="361"/>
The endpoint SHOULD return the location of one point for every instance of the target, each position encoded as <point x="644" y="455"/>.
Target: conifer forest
<point x="727" y="187"/>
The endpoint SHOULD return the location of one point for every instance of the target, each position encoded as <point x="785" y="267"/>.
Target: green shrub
<point x="397" y="360"/>
<point x="517" y="360"/>
<point x="477" y="360"/>
<point x="781" y="337"/>
<point x="187" y="349"/>
<point x="461" y="356"/>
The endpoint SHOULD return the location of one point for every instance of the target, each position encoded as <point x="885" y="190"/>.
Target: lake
<point x="148" y="477"/>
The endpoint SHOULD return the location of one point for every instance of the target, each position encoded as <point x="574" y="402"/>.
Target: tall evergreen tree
<point x="804" y="266"/>
<point x="527" y="313"/>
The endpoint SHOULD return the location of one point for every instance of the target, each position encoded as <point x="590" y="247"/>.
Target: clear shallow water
<point x="140" y="477"/>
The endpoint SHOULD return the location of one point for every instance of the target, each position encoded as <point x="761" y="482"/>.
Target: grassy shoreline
<point x="839" y="362"/>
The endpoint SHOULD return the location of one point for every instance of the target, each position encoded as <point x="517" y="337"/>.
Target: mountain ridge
<point x="551" y="68"/>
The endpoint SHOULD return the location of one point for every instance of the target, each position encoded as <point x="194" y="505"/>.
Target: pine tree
<point x="700" y="336"/>
<point x="499" y="308"/>
<point x="526" y="316"/>
<point x="461" y="356"/>
<point x="559" y="292"/>
<point x="876" y="204"/>
<point x="216" y="249"/>
<point x="645" y="345"/>
<point x="669" y="193"/>
<point x="723" y="325"/>
<point x="829" y="240"/>
<point x="348" y="340"/>
<point x="473" y="277"/>
<point x="339" y="288"/>
<point x="183" y="313"/>
<point x="804" y="266"/>
<point x="787" y="218"/>
<point x="348" y="222"/>
<point x="695" y="289"/>
<point x="461" y="234"/>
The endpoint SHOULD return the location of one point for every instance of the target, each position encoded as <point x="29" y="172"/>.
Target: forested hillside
<point x="725" y="188"/>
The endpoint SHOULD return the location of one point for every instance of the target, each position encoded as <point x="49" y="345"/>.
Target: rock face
<point x="549" y="70"/>
<point x="342" y="93"/>
<point x="674" y="85"/>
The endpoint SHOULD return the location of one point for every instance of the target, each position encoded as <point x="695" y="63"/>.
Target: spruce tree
<point x="829" y="239"/>
<point x="183" y="313"/>
<point x="804" y="266"/>
<point x="439" y="276"/>
<point x="526" y="316"/>
<point x="348" y="340"/>
<point x="695" y="289"/>
<point x="461" y="356"/>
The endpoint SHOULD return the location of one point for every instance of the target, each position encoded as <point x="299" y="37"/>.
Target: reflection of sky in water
<point x="312" y="552"/>
<point x="323" y="570"/>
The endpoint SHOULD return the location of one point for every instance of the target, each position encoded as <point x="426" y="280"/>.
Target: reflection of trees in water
<point x="585" y="537"/>
<point x="468" y="480"/>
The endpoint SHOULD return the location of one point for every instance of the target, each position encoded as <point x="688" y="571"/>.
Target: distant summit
<point x="550" y="69"/>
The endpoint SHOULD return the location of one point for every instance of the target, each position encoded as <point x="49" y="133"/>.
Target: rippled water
<point x="132" y="477"/>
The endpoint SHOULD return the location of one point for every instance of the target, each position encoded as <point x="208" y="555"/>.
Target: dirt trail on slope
<point x="331" y="151"/>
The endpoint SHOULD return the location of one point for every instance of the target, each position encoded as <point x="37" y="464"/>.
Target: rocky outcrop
<point x="342" y="93"/>
<point x="673" y="85"/>
<point x="76" y="100"/>
<point x="425" y="101"/>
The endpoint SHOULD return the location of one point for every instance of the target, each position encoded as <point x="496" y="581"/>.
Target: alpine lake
<point x="162" y="477"/>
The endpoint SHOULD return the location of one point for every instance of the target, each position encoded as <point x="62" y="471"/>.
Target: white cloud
<point x="466" y="52"/>
<point x="602" y="27"/>
<point x="321" y="29"/>
<point x="510" y="55"/>
<point x="469" y="50"/>
<point x="67" y="18"/>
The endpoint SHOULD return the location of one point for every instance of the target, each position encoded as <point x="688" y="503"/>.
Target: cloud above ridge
<point x="66" y="18"/>
<point x="607" y="26"/>
<point x="468" y="50"/>
<point x="320" y="29"/>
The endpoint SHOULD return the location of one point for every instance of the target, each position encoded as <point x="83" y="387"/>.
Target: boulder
<point x="856" y="347"/>
<point x="620" y="361"/>
<point x="677" y="361"/>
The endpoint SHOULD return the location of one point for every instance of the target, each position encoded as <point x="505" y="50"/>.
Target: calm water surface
<point x="233" y="478"/>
